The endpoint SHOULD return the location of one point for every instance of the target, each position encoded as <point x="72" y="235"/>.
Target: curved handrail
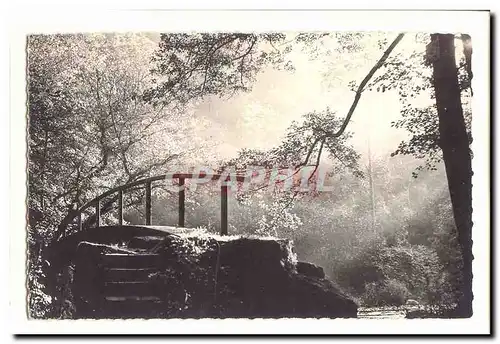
<point x="148" y="181"/>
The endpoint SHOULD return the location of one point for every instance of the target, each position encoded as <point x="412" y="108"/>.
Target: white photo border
<point x="37" y="20"/>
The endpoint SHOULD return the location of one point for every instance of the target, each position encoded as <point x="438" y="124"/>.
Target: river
<point x="381" y="313"/>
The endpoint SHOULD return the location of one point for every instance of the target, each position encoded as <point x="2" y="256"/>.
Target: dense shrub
<point x="385" y="293"/>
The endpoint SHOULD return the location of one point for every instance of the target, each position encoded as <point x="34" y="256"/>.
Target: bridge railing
<point x="119" y="191"/>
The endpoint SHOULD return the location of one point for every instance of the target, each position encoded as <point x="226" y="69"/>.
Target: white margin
<point x="86" y="18"/>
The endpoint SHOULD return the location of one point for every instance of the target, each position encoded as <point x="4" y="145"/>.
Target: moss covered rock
<point x="198" y="275"/>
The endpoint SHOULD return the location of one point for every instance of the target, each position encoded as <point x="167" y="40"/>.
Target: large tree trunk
<point x="454" y="143"/>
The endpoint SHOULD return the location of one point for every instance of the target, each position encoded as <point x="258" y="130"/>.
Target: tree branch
<point x="318" y="158"/>
<point x="308" y="156"/>
<point x="357" y="97"/>
<point x="362" y="86"/>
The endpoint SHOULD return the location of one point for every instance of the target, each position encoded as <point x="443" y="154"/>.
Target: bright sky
<point x="258" y="119"/>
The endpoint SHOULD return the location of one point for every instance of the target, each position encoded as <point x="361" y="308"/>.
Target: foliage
<point x="277" y="218"/>
<point x="193" y="65"/>
<point x="190" y="66"/>
<point x="389" y="292"/>
<point x="413" y="242"/>
<point x="296" y="147"/>
<point x="408" y="74"/>
<point x="419" y="251"/>
<point x="89" y="129"/>
<point x="38" y="301"/>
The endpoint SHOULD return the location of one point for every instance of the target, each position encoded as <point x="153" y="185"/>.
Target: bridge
<point x="118" y="192"/>
<point x="115" y="282"/>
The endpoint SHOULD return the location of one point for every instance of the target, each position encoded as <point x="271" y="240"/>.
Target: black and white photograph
<point x="267" y="174"/>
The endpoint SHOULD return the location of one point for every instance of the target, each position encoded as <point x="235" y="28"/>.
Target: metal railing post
<point x="182" y="197"/>
<point x="223" y="209"/>
<point x="120" y="207"/>
<point x="148" y="203"/>
<point x="79" y="221"/>
<point x="98" y="213"/>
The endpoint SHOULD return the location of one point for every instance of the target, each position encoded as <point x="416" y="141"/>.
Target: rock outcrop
<point x="198" y="276"/>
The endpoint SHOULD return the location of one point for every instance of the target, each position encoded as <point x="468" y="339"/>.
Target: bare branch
<point x="362" y="86"/>
<point x="245" y="54"/>
<point x="308" y="156"/>
<point x="318" y="158"/>
<point x="359" y="91"/>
